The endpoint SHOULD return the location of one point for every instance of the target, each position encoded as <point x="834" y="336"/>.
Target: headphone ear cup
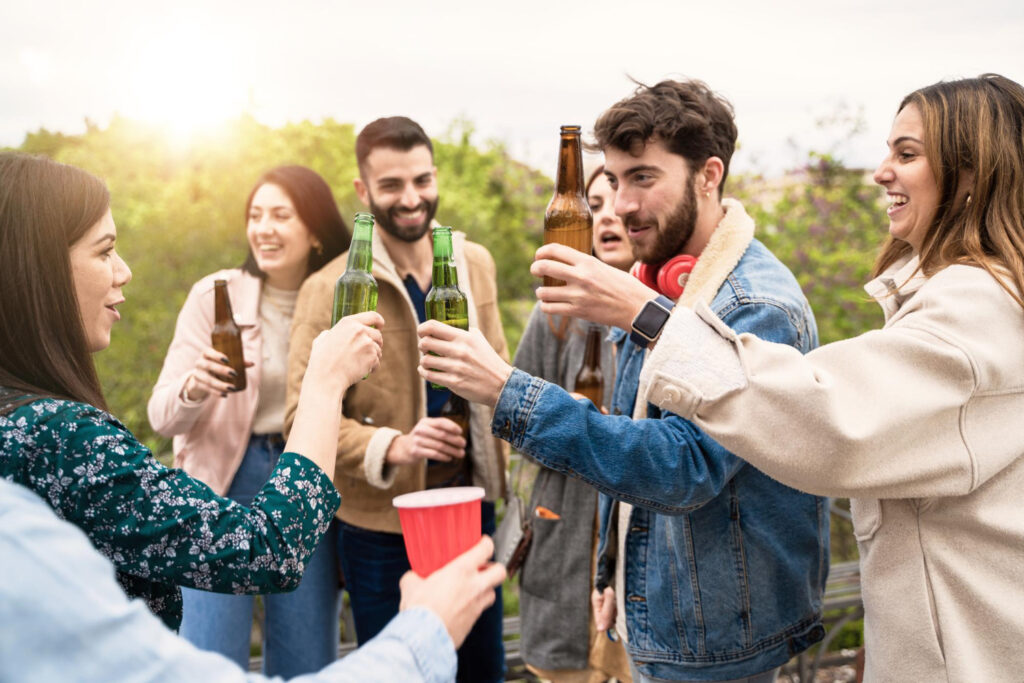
<point x="673" y="275"/>
<point x="646" y="274"/>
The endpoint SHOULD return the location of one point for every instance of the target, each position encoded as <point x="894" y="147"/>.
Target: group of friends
<point x="686" y="526"/>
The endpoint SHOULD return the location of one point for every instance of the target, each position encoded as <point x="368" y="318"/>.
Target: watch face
<point x="651" y="319"/>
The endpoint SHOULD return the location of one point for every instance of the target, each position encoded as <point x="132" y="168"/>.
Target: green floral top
<point x="160" y="527"/>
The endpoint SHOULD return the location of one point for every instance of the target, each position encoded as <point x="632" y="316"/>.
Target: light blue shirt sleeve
<point x="63" y="617"/>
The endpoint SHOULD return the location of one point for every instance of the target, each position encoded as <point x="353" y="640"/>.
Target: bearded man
<point x="392" y="439"/>
<point x="719" y="569"/>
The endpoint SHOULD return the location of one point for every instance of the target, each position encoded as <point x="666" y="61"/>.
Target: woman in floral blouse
<point x="61" y="280"/>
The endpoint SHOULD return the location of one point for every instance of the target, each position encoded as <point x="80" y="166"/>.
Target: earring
<point x="968" y="200"/>
<point x="707" y="195"/>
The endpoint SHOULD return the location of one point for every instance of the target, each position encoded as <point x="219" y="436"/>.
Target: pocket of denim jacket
<point x="867" y="517"/>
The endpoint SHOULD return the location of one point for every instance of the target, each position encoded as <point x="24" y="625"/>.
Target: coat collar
<point x="898" y="283"/>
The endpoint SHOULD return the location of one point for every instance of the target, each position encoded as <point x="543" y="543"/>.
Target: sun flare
<point x="186" y="82"/>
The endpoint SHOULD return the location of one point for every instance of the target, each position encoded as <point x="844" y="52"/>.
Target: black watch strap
<point x="648" y="322"/>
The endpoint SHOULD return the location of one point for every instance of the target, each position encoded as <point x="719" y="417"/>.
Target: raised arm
<point x="355" y="441"/>
<point x="913" y="410"/>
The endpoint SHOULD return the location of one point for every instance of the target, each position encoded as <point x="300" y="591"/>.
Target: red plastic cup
<point x="439" y="525"/>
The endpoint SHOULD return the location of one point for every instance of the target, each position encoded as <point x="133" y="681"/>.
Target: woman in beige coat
<point x="920" y="423"/>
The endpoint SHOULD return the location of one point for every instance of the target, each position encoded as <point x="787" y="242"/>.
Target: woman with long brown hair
<point x="62" y="281"/>
<point x="231" y="440"/>
<point x="918" y="423"/>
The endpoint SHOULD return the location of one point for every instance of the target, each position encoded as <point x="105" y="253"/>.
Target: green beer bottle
<point x="445" y="301"/>
<point x="356" y="290"/>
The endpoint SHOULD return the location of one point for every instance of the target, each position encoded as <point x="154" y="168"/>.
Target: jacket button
<point x="671" y="394"/>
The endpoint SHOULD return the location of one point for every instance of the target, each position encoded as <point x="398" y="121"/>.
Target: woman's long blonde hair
<point x="974" y="141"/>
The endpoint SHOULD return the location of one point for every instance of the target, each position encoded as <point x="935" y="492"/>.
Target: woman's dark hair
<point x="974" y="142"/>
<point x="45" y="207"/>
<point x="315" y="205"/>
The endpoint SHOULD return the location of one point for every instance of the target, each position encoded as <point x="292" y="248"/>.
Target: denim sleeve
<point x="666" y="464"/>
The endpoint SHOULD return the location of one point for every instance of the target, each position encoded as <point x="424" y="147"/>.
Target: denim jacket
<point x="725" y="567"/>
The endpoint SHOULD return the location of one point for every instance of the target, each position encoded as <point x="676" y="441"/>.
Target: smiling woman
<point x="232" y="440"/>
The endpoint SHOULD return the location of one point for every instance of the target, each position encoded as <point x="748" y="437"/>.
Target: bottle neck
<point x="221" y="303"/>
<point x="570" y="166"/>
<point x="592" y="353"/>
<point x="444" y="273"/>
<point x="360" y="252"/>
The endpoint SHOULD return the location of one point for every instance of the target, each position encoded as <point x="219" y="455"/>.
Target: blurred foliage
<point x="179" y="208"/>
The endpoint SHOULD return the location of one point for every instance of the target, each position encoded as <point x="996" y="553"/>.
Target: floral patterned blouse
<point x="160" y="527"/>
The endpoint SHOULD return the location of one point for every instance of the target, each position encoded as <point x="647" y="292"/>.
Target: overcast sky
<point x="517" y="70"/>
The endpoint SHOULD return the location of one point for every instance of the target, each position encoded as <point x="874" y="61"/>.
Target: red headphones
<point x="668" y="278"/>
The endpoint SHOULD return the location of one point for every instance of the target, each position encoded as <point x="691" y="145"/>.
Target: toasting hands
<point x="348" y="351"/>
<point x="593" y="290"/>
<point x="465" y="362"/>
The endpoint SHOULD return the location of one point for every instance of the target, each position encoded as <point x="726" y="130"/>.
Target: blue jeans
<point x="373" y="563"/>
<point x="301" y="628"/>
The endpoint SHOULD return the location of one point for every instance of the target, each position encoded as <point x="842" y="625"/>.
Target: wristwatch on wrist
<point x="648" y="322"/>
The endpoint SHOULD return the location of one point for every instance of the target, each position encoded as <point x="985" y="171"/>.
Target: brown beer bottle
<point x="226" y="336"/>
<point x="567" y="219"/>
<point x="455" y="409"/>
<point x="589" y="380"/>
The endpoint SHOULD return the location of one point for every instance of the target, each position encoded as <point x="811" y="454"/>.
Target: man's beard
<point x="673" y="236"/>
<point x="385" y="218"/>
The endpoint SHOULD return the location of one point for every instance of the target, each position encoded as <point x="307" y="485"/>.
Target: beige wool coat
<point x="921" y="424"/>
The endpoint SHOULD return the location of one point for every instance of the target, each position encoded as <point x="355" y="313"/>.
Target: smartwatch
<point x="648" y="322"/>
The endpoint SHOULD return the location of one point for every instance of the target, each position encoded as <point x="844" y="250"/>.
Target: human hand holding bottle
<point x="212" y="374"/>
<point x="348" y="351"/>
<point x="463" y="361"/>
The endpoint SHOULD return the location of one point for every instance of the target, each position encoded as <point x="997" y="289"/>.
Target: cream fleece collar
<point x="726" y="247"/>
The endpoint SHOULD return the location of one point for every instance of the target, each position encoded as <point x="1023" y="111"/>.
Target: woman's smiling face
<point x="908" y="180"/>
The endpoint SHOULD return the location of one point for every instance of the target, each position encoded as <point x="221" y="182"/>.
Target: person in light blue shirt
<point x="63" y="616"/>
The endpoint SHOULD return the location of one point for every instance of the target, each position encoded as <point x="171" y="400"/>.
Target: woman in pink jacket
<point x="231" y="441"/>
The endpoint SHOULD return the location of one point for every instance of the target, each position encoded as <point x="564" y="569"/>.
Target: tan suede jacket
<point x="393" y="399"/>
<point x="921" y="424"/>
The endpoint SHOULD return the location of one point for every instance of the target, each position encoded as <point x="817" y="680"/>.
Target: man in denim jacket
<point x="722" y="569"/>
